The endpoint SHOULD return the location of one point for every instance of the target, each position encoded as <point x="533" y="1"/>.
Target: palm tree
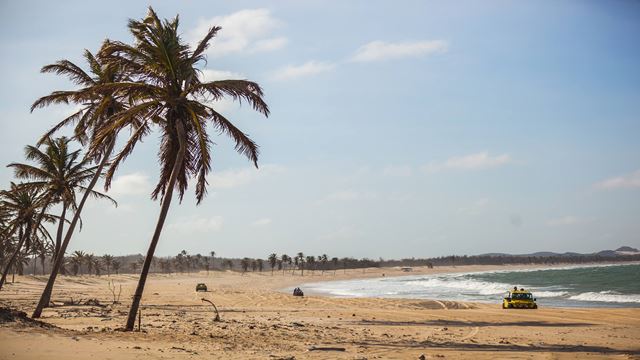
<point x="116" y="266"/>
<point x="59" y="173"/>
<point x="335" y="265"/>
<point x="89" y="259"/>
<point x="26" y="213"/>
<point x="76" y="260"/>
<point x="213" y="254"/>
<point x="108" y="261"/>
<point x="227" y="263"/>
<point x="273" y="259"/>
<point x="311" y="260"/>
<point x="323" y="259"/>
<point x="97" y="265"/>
<point x="300" y="262"/>
<point x="98" y="105"/>
<point x="244" y="263"/>
<point x="286" y="259"/>
<point x="168" y="94"/>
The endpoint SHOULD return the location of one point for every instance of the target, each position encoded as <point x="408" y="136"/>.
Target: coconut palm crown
<point x="168" y="93"/>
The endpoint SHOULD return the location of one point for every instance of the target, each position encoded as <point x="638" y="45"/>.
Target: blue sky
<point x="397" y="129"/>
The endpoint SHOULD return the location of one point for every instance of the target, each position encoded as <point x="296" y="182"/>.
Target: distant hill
<point x="621" y="251"/>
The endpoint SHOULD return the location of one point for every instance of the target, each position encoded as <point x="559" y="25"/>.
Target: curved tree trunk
<point x="46" y="294"/>
<point x="24" y="236"/>
<point x="56" y="249"/>
<point x="166" y="202"/>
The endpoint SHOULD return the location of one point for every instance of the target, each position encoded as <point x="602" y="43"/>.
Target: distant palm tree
<point x="89" y="259"/>
<point x="228" y="263"/>
<point x="335" y="264"/>
<point x="273" y="259"/>
<point x="244" y="263"/>
<point x="169" y="95"/>
<point x="26" y="211"/>
<point x="116" y="266"/>
<point x="286" y="259"/>
<point x="323" y="260"/>
<point x="76" y="260"/>
<point x="260" y="264"/>
<point x="213" y="254"/>
<point x="97" y="265"/>
<point x="108" y="262"/>
<point x="300" y="262"/>
<point x="58" y="174"/>
<point x="98" y="105"/>
<point x="311" y="260"/>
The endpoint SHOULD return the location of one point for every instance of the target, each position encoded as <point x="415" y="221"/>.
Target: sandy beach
<point x="260" y="321"/>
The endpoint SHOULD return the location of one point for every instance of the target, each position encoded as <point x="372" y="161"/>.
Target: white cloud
<point x="629" y="181"/>
<point x="197" y="224"/>
<point x="477" y="161"/>
<point x="307" y="69"/>
<point x="380" y="50"/>
<point x="213" y="75"/>
<point x="237" y="177"/>
<point x="566" y="220"/>
<point x="248" y="30"/>
<point x="131" y="184"/>
<point x="261" y="222"/>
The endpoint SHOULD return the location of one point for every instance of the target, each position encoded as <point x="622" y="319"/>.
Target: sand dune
<point x="259" y="321"/>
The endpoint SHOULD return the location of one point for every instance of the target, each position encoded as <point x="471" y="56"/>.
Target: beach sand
<point x="260" y="321"/>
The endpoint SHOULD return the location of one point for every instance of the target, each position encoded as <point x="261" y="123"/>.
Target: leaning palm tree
<point x="58" y="174"/>
<point x="26" y="214"/>
<point x="98" y="105"/>
<point x="168" y="94"/>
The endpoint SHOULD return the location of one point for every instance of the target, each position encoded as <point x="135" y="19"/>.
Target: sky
<point x="397" y="129"/>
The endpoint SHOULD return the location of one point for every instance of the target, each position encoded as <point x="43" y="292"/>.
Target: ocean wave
<point x="462" y="285"/>
<point x="607" y="296"/>
<point x="549" y="294"/>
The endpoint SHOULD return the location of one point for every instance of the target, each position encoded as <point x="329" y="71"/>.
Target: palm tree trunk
<point x="56" y="250"/>
<point x="24" y="236"/>
<point x="166" y="202"/>
<point x="46" y="294"/>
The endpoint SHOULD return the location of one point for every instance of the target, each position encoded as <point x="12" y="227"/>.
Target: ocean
<point x="571" y="286"/>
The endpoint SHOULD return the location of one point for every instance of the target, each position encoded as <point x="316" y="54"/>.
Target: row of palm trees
<point x="153" y="85"/>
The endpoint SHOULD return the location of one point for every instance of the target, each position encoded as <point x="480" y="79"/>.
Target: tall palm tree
<point x="167" y="93"/>
<point x="98" y="105"/>
<point x="286" y="259"/>
<point x="213" y="254"/>
<point x="58" y="174"/>
<point x="26" y="213"/>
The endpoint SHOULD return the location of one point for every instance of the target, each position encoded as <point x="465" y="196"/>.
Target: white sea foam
<point x="607" y="296"/>
<point x="549" y="294"/>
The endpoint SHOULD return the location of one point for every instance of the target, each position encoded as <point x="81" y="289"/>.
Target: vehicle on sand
<point x="519" y="299"/>
<point x="201" y="287"/>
